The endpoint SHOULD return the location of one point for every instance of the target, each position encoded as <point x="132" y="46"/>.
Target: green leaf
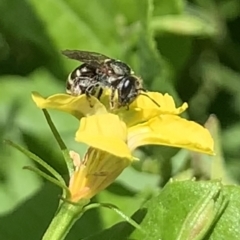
<point x="229" y="9"/>
<point x="70" y="25"/>
<point x="165" y="7"/>
<point x="228" y="226"/>
<point x="218" y="164"/>
<point x="64" y="22"/>
<point x="183" y="210"/>
<point x="211" y="167"/>
<point x="27" y="45"/>
<point x="184" y="25"/>
<point x="28" y="28"/>
<point x="231" y="143"/>
<point x="110" y="18"/>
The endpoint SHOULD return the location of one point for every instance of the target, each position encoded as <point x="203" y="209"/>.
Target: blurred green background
<point x="190" y="49"/>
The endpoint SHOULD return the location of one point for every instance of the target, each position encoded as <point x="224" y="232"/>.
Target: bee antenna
<point x="144" y="94"/>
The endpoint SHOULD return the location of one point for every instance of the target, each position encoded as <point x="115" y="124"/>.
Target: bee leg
<point x="99" y="93"/>
<point x="88" y="96"/>
<point x="132" y="96"/>
<point x="111" y="98"/>
<point x="97" y="90"/>
<point x="89" y="92"/>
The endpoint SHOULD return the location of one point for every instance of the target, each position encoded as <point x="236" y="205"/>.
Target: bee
<point x="99" y="72"/>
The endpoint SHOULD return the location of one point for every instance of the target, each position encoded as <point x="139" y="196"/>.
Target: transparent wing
<point x="91" y="58"/>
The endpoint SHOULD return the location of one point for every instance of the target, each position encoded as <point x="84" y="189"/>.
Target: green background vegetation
<point x="190" y="49"/>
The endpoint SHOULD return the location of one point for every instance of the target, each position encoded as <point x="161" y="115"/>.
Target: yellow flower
<point x="146" y="122"/>
<point x="113" y="135"/>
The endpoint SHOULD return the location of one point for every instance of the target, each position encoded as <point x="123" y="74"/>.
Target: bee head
<point x="129" y="89"/>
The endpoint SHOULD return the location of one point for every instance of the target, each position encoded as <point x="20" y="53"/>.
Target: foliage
<point x="189" y="49"/>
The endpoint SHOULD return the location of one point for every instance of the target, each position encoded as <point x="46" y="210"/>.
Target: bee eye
<point x="126" y="86"/>
<point x="126" y="83"/>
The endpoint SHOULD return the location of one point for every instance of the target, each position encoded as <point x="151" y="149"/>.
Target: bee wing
<point x="91" y="58"/>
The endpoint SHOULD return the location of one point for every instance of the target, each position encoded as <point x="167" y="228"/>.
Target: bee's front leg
<point x="111" y="98"/>
<point x="92" y="90"/>
<point x="100" y="92"/>
<point x="88" y="96"/>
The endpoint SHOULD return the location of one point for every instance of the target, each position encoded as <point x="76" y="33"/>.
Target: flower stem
<point x="115" y="209"/>
<point x="63" y="221"/>
<point x="60" y="142"/>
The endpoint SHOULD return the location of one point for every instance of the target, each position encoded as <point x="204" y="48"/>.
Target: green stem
<point x="116" y="210"/>
<point x="60" y="142"/>
<point x="63" y="221"/>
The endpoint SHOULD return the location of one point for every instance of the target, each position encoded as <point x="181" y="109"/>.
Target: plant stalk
<point x="63" y="221"/>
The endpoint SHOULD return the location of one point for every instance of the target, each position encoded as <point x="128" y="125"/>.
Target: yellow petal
<point x="96" y="172"/>
<point x="143" y="108"/>
<point x="166" y="103"/>
<point x="77" y="106"/>
<point x="105" y="132"/>
<point x="171" y="130"/>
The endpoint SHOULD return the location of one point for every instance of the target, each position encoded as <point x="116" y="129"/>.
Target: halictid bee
<point x="99" y="72"/>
